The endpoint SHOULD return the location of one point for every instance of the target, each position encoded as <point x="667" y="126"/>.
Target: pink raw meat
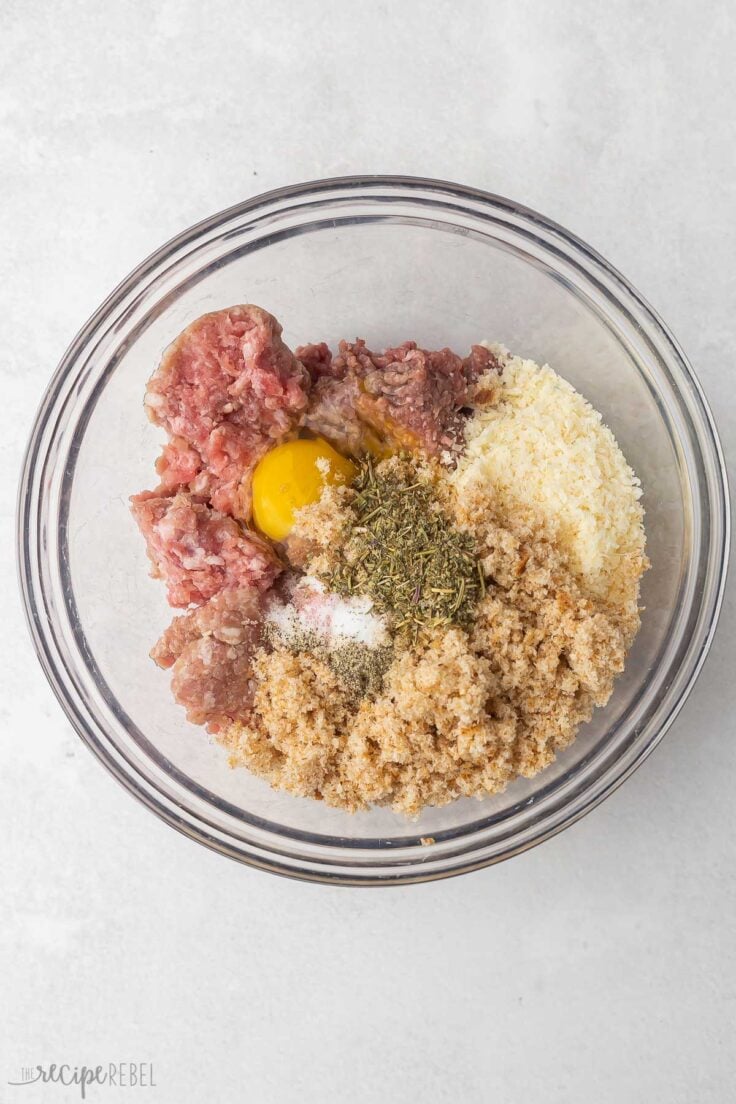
<point x="317" y="359"/>
<point x="225" y="390"/>
<point x="419" y="390"/>
<point x="199" y="551"/>
<point x="411" y="397"/>
<point x="178" y="465"/>
<point x="210" y="650"/>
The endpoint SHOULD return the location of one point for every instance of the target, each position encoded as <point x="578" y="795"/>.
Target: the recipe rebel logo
<point x="120" y="1075"/>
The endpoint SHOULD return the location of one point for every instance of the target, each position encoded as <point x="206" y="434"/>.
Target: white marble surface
<point x="600" y="967"/>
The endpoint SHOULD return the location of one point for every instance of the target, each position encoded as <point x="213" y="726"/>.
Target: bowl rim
<point x="415" y="869"/>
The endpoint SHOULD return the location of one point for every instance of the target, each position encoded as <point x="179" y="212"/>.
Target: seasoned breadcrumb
<point x="297" y="736"/>
<point x="319" y="528"/>
<point x="461" y="713"/>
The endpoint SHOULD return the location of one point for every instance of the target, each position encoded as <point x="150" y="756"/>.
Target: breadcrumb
<point x="461" y="713"/>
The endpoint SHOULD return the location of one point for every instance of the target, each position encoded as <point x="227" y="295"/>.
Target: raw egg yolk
<point x="293" y="475"/>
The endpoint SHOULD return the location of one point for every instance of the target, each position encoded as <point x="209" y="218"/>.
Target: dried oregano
<point x="402" y="550"/>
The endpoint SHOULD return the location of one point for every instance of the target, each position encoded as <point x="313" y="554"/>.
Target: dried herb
<point x="404" y="552"/>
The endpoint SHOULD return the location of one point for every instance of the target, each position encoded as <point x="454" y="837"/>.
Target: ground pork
<point x="225" y="390"/>
<point x="178" y="465"/>
<point x="210" y="650"/>
<point x="199" y="551"/>
<point x="317" y="359"/>
<point x="404" y="398"/>
<point x="333" y="414"/>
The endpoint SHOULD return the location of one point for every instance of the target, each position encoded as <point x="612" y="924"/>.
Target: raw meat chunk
<point x="317" y="359"/>
<point x="478" y="361"/>
<point x="405" y="398"/>
<point x="421" y="392"/>
<point x="225" y="390"/>
<point x="199" y="551"/>
<point x="178" y="465"/>
<point x="332" y="414"/>
<point x="210" y="651"/>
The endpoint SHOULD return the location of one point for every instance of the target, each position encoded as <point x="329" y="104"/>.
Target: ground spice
<point x="358" y="667"/>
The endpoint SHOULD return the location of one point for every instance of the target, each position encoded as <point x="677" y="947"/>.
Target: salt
<point x="330" y="617"/>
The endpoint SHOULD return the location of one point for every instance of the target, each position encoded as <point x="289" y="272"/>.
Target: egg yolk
<point x="293" y="475"/>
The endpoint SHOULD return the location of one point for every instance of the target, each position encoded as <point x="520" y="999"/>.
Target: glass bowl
<point x="385" y="258"/>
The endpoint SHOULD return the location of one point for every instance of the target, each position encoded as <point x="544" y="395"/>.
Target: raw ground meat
<point x="178" y="465"/>
<point x="480" y="360"/>
<point x="405" y="398"/>
<point x="317" y="359"/>
<point x="225" y="391"/>
<point x="210" y="650"/>
<point x="421" y="391"/>
<point x="199" y="551"/>
<point x="332" y="414"/>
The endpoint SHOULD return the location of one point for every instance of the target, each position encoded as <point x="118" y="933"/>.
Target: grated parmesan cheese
<point x="545" y="451"/>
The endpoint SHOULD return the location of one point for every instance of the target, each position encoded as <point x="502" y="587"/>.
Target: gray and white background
<point x="598" y="968"/>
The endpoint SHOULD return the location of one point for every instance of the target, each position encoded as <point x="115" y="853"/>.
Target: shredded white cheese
<point x="544" y="449"/>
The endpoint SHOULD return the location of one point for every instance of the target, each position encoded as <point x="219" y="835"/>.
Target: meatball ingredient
<point x="309" y="609"/>
<point x="399" y="547"/>
<point x="293" y="475"/>
<point x="541" y="450"/>
<point x="406" y="398"/>
<point x="333" y="415"/>
<point x="211" y="650"/>
<point x="178" y="465"/>
<point x="198" y="551"/>
<point x="345" y="632"/>
<point x="227" y="388"/>
<point x="317" y="359"/>
<point x="460" y="713"/>
<point x="421" y="393"/>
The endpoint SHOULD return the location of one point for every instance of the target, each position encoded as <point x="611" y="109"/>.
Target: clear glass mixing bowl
<point x="385" y="258"/>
